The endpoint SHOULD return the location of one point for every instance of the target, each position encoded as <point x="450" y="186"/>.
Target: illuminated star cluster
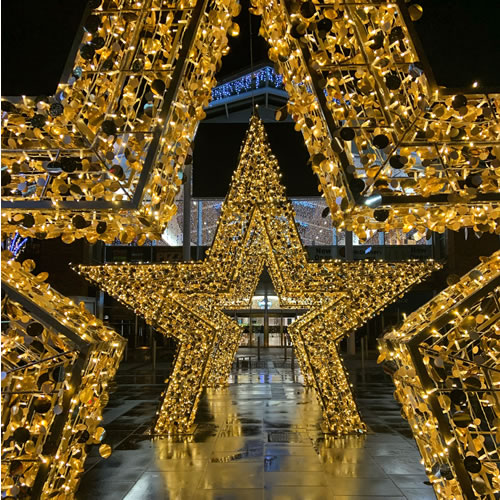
<point x="256" y="230"/>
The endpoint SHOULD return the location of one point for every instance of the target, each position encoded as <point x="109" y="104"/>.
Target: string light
<point x="16" y="244"/>
<point x="256" y="230"/>
<point x="264" y="77"/>
<point x="54" y="384"/>
<point x="446" y="359"/>
<point x="103" y="158"/>
<point x="393" y="133"/>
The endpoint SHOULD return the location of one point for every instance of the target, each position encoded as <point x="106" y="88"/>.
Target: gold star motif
<point x="256" y="230"/>
<point x="446" y="357"/>
<point x="57" y="363"/>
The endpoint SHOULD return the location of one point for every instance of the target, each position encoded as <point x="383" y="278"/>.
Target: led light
<point x="256" y="229"/>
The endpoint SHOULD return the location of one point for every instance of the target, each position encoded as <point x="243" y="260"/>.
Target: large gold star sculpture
<point x="57" y="363"/>
<point x="391" y="148"/>
<point x="446" y="357"/>
<point x="104" y="156"/>
<point x="256" y="230"/>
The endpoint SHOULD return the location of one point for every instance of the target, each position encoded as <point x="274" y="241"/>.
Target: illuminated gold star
<point x="399" y="150"/>
<point x="103" y="158"/>
<point x="447" y="357"/>
<point x="57" y="363"/>
<point x="256" y="230"/>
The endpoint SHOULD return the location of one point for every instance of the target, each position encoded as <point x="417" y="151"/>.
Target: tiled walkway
<point x="259" y="439"/>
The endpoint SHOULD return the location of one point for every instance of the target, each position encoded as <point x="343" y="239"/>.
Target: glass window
<point x="313" y="228"/>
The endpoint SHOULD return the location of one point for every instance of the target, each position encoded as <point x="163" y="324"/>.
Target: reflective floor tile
<point x="178" y="465"/>
<point x="296" y="493"/>
<point x="410" y="481"/>
<point x="419" y="494"/>
<point x="233" y="475"/>
<point x="358" y="469"/>
<point x="163" y="485"/>
<point x="260" y="438"/>
<point x="230" y="444"/>
<point x="357" y="486"/>
<point x="167" y="450"/>
<point x="228" y="494"/>
<point x="348" y="455"/>
<point x="400" y="465"/>
<point x="283" y="463"/>
<point x="103" y="490"/>
<point x="272" y="479"/>
<point x="275" y="449"/>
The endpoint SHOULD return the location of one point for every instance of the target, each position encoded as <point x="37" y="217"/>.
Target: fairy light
<point x="38" y="363"/>
<point x="414" y="114"/>
<point x="119" y="128"/>
<point x="431" y="121"/>
<point x="451" y="402"/>
<point x="264" y="77"/>
<point x="256" y="229"/>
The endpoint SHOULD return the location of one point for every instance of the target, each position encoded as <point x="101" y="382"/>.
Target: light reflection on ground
<point x="258" y="439"/>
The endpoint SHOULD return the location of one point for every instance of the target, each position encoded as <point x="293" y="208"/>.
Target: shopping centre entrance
<point x="265" y="324"/>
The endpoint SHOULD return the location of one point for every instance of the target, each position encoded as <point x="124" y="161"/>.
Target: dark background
<point x="216" y="151"/>
<point x="460" y="37"/>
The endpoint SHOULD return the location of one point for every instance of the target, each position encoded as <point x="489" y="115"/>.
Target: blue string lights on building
<point x="261" y="78"/>
<point x="307" y="204"/>
<point x="16" y="244"/>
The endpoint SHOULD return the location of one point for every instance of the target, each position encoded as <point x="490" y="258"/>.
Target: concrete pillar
<point x="266" y="320"/>
<point x="281" y="329"/>
<point x="186" y="226"/>
<point x="100" y="305"/>
<point x="136" y="331"/>
<point x="349" y="255"/>
<point x="199" y="226"/>
<point x="349" y="249"/>
<point x="351" y="343"/>
<point x="250" y="327"/>
<point x="436" y="247"/>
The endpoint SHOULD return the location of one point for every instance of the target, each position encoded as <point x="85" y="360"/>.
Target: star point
<point x="256" y="230"/>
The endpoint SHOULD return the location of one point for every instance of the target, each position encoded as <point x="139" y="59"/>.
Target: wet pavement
<point x="258" y="439"/>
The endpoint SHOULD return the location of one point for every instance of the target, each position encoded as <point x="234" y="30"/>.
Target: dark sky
<point x="460" y="37"/>
<point x="216" y="151"/>
<point x="462" y="41"/>
<point x="36" y="39"/>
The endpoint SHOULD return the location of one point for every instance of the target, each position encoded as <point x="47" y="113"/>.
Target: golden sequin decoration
<point x="256" y="230"/>
<point x="57" y="362"/>
<point x="446" y="360"/>
<point x="391" y="148"/>
<point x="103" y="158"/>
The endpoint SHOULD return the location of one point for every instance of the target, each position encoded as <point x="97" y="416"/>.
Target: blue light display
<point x="259" y="79"/>
<point x="264" y="77"/>
<point x="307" y="204"/>
<point x="16" y="244"/>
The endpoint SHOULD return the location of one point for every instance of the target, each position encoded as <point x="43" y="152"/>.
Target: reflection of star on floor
<point x="256" y="230"/>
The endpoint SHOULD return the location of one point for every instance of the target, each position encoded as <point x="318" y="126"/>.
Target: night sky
<point x="460" y="37"/>
<point x="218" y="163"/>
